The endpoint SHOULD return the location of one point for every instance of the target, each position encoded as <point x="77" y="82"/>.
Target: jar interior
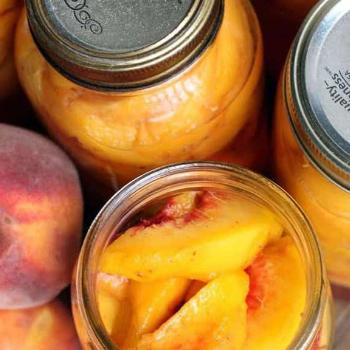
<point x="143" y="197"/>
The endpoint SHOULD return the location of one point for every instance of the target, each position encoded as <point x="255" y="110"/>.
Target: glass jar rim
<point x="243" y="179"/>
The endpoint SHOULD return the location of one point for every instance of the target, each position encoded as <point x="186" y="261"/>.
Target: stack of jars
<point x="165" y="103"/>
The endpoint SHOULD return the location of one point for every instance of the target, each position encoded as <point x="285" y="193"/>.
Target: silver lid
<point x="122" y="44"/>
<point x="317" y="87"/>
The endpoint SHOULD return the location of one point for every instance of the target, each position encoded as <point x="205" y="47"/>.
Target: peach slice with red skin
<point x="176" y="207"/>
<point x="215" y="318"/>
<point x="188" y="247"/>
<point x="276" y="298"/>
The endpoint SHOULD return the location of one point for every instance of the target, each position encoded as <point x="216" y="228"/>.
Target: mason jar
<point x="312" y="130"/>
<point x="314" y="330"/>
<point x="9" y="12"/>
<point x="129" y="87"/>
<point x="280" y="21"/>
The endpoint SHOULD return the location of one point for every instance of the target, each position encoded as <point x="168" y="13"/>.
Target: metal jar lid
<point x="317" y="89"/>
<point x="122" y="44"/>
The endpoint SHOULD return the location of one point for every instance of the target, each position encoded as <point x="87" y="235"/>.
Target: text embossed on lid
<point x="116" y="26"/>
<point x="319" y="77"/>
<point x="123" y="44"/>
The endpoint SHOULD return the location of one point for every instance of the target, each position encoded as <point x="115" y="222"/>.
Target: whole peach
<point x="48" y="327"/>
<point x="41" y="211"/>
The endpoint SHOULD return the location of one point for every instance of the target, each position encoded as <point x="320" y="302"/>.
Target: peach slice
<point x="215" y="318"/>
<point x="175" y="207"/>
<point x="114" y="285"/>
<point x="110" y="310"/>
<point x="113" y="304"/>
<point x="188" y="248"/>
<point x="276" y="298"/>
<point x="152" y="304"/>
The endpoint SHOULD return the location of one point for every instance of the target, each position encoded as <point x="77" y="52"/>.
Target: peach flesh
<point x="271" y="293"/>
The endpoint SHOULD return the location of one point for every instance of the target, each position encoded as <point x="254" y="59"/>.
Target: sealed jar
<point x="312" y="130"/>
<point x="280" y="21"/>
<point x="312" y="331"/>
<point x="9" y="12"/>
<point x="129" y="86"/>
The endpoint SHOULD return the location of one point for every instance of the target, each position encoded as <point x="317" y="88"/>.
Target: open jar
<point x="9" y="13"/>
<point x="296" y="310"/>
<point x="129" y="86"/>
<point x="312" y="131"/>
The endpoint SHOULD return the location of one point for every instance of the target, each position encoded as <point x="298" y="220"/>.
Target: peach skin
<point x="40" y="218"/>
<point x="42" y="328"/>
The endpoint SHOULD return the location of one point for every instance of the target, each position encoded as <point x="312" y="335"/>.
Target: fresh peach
<point x="41" y="328"/>
<point x="40" y="218"/>
<point x="188" y="247"/>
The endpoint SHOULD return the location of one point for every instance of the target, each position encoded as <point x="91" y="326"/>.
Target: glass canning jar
<point x="312" y="130"/>
<point x="280" y="21"/>
<point x="315" y="329"/>
<point x="9" y="12"/>
<point x="145" y="84"/>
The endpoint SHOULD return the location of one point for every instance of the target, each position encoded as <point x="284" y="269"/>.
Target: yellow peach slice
<point x="114" y="285"/>
<point x="114" y="307"/>
<point x="152" y="304"/>
<point x="276" y="298"/>
<point x="110" y="310"/>
<point x="221" y="235"/>
<point x="215" y="318"/>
